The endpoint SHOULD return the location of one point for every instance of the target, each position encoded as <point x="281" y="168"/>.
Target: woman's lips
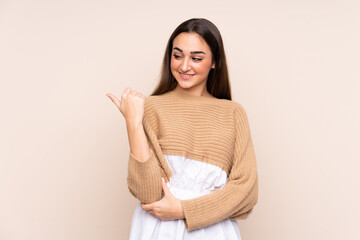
<point x="186" y="76"/>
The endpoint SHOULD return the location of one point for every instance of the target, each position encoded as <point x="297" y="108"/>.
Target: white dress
<point x="190" y="179"/>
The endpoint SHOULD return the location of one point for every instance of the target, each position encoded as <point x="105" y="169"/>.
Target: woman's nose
<point x="185" y="66"/>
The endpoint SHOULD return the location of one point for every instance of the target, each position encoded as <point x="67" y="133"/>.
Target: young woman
<point x="192" y="161"/>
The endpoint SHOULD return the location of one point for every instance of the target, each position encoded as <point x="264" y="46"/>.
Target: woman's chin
<point x="185" y="84"/>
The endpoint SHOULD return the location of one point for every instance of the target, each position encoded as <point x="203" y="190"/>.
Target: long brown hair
<point x="217" y="83"/>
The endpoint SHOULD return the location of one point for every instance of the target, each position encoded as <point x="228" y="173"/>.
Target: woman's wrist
<point x="133" y="126"/>
<point x="181" y="213"/>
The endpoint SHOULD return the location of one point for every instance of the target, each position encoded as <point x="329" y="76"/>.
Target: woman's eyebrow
<point x="193" y="52"/>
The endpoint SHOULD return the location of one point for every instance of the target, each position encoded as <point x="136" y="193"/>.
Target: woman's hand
<point x="131" y="106"/>
<point x="168" y="208"/>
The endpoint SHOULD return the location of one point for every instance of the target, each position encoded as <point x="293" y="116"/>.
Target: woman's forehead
<point x="190" y="42"/>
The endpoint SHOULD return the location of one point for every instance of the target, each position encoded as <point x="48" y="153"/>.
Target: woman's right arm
<point x="144" y="171"/>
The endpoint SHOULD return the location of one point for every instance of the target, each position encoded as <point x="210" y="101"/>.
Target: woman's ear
<point x="213" y="66"/>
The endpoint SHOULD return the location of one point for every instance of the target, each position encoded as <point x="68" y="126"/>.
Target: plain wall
<point x="294" y="66"/>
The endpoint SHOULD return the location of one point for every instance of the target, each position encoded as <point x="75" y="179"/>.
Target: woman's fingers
<point x="147" y="207"/>
<point x="131" y="104"/>
<point x="114" y="99"/>
<point x="126" y="92"/>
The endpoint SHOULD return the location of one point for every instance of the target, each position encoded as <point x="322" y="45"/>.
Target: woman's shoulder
<point x="238" y="107"/>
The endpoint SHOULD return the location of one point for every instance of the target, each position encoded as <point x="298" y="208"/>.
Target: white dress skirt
<point x="191" y="179"/>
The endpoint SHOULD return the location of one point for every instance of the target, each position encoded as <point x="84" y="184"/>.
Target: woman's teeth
<point x="185" y="76"/>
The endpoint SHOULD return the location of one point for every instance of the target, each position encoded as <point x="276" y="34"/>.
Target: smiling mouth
<point x="186" y="76"/>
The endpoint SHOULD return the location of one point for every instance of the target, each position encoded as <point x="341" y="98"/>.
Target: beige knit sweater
<point x="211" y="130"/>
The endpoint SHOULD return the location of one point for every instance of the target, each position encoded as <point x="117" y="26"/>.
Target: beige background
<point x="294" y="66"/>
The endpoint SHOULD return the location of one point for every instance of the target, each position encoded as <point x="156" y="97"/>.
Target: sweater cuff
<point x="190" y="222"/>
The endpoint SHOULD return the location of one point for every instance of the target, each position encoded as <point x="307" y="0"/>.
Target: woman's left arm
<point x="239" y="195"/>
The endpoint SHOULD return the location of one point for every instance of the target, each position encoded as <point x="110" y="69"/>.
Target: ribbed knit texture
<point x="210" y="130"/>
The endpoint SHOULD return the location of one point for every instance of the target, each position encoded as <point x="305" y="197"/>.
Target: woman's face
<point x="191" y="60"/>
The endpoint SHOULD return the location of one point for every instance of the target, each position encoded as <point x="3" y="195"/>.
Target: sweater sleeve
<point x="144" y="178"/>
<point x="239" y="195"/>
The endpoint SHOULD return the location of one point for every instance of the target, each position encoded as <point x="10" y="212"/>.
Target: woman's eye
<point x="195" y="59"/>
